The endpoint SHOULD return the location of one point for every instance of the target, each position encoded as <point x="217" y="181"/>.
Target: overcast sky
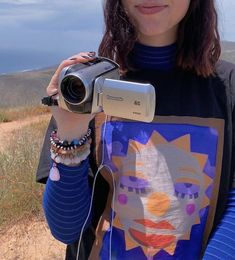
<point x="49" y="24"/>
<point x="42" y="32"/>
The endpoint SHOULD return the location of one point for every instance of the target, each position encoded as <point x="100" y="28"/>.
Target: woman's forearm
<point x="66" y="202"/>
<point x="222" y="242"/>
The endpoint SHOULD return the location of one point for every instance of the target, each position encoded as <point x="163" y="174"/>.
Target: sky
<point x="40" y="33"/>
<point x="226" y="12"/>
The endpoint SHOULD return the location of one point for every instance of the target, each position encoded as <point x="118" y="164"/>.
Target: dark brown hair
<point x="198" y="38"/>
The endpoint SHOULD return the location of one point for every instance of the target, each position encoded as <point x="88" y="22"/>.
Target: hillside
<point x="29" y="87"/>
<point x="228" y="51"/>
<point x="24" y="88"/>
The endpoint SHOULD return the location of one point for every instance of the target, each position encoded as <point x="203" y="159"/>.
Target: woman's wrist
<point x="71" y="125"/>
<point x="70" y="132"/>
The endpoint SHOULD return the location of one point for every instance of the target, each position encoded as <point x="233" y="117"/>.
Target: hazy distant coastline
<point x="28" y="60"/>
<point x="228" y="51"/>
<point x="20" y="61"/>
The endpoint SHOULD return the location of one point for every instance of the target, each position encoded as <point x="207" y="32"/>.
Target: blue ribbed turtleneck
<point x="148" y="57"/>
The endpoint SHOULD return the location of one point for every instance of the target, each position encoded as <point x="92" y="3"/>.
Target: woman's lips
<point x="144" y="9"/>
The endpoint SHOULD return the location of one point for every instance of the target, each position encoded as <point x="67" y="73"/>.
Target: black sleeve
<point x="44" y="161"/>
<point x="226" y="72"/>
<point x="232" y="82"/>
<point x="102" y="186"/>
<point x="233" y="155"/>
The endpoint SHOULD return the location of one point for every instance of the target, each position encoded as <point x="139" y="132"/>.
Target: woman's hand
<point x="70" y="125"/>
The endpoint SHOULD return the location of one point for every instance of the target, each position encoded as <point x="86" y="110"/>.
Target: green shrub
<point x="4" y="117"/>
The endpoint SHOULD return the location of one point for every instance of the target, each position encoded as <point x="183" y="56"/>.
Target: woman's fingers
<point x="79" y="58"/>
<point x="84" y="55"/>
<point x="75" y="59"/>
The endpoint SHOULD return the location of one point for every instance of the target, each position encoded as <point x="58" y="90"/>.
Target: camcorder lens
<point x="73" y="90"/>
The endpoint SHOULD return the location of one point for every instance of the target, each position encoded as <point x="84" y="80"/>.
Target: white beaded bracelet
<point x="71" y="159"/>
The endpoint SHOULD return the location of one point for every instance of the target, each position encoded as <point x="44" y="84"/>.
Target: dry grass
<point x="12" y="114"/>
<point x="23" y="230"/>
<point x="20" y="196"/>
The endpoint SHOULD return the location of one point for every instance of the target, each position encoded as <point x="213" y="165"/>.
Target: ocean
<point x="25" y="60"/>
<point x="22" y="60"/>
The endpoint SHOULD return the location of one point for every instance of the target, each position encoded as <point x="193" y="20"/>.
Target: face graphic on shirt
<point x="159" y="193"/>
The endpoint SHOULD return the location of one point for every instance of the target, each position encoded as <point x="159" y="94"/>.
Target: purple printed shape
<point x="134" y="182"/>
<point x="187" y="188"/>
<point x="190" y="209"/>
<point x="122" y="198"/>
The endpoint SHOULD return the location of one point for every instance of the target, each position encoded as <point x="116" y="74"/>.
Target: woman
<point x="161" y="188"/>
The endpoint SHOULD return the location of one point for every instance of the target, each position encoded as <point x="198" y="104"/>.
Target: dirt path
<point x="7" y="128"/>
<point x="31" y="240"/>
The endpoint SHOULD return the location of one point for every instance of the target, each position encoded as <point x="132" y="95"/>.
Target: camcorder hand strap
<point x="50" y="101"/>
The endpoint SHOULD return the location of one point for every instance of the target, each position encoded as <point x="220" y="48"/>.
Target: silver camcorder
<point x="95" y="86"/>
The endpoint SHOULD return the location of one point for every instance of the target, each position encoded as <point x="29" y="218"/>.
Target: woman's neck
<point x="159" y="40"/>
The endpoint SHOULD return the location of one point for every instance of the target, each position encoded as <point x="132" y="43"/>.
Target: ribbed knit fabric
<point x="222" y="244"/>
<point x="148" y="57"/>
<point x="66" y="202"/>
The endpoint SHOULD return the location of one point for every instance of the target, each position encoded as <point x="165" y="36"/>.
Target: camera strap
<point x="49" y="101"/>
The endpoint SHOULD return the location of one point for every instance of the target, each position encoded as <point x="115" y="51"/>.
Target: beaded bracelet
<point x="70" y="153"/>
<point x="64" y="144"/>
<point x="69" y="150"/>
<point x="70" y="159"/>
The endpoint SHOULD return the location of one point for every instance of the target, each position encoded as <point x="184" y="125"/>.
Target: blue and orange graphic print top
<point x="167" y="174"/>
